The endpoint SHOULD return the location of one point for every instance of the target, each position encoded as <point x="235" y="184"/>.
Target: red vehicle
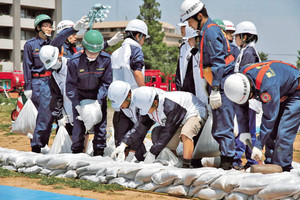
<point x="155" y="78"/>
<point x="11" y="81"/>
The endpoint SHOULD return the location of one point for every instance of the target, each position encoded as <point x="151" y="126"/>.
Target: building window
<point x="5" y="9"/>
<point x="27" y="34"/>
<point x="5" y="32"/>
<point x="32" y="13"/>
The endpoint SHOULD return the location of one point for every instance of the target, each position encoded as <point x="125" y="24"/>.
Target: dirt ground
<point x="21" y="143"/>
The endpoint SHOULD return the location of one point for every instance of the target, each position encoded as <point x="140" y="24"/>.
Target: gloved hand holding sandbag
<point x="91" y="113"/>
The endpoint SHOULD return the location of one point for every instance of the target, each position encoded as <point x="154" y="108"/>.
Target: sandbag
<point x="209" y="193"/>
<point x="91" y="113"/>
<point x="206" y="146"/>
<point x="26" y="121"/>
<point x="265" y="168"/>
<point x="168" y="158"/>
<point x="62" y="142"/>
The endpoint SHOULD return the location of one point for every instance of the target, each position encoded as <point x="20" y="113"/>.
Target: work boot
<point x="76" y="151"/>
<point x="197" y="163"/>
<point x="186" y="163"/>
<point x="36" y="149"/>
<point x="226" y="162"/>
<point x="98" y="152"/>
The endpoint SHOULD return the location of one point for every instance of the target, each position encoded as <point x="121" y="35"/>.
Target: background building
<point x="109" y="29"/>
<point x="16" y="26"/>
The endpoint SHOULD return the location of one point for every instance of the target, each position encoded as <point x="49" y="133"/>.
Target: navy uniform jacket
<point x="31" y="59"/>
<point x="215" y="52"/>
<point x="88" y="80"/>
<point x="280" y="80"/>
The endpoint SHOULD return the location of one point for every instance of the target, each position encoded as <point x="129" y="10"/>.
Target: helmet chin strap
<point x="195" y="17"/>
<point x="47" y="36"/>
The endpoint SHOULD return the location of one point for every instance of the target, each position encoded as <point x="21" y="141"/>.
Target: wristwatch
<point x="215" y="88"/>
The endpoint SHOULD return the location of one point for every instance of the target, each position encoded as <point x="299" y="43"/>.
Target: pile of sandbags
<point x="204" y="183"/>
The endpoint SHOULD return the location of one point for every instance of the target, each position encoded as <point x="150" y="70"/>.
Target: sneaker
<point x="36" y="149"/>
<point x="98" y="152"/>
<point x="226" y="162"/>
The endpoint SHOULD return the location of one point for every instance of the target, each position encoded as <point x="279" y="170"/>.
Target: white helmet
<point x="63" y="25"/>
<point x="137" y="25"/>
<point x="229" y="26"/>
<point x="245" y="27"/>
<point x="49" y="56"/>
<point x="185" y="23"/>
<point x="117" y="93"/>
<point x="143" y="98"/>
<point x="237" y="88"/>
<point x="189" y="8"/>
<point x="190" y="33"/>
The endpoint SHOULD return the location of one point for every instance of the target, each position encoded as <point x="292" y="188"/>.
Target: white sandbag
<point x="26" y="120"/>
<point x="282" y="188"/>
<point x="230" y="180"/>
<point x="45" y="172"/>
<point x="206" y="146"/>
<point x="208" y="193"/>
<point x="188" y="176"/>
<point x="75" y="164"/>
<point x="211" y="161"/>
<point x="57" y="172"/>
<point x="10" y="167"/>
<point x="150" y="186"/>
<point x="168" y="158"/>
<point x="166" y="177"/>
<point x="43" y="160"/>
<point x="118" y="180"/>
<point x="31" y="160"/>
<point x="45" y="149"/>
<point x="110" y="146"/>
<point x="91" y="113"/>
<point x="193" y="190"/>
<point x="21" y="169"/>
<point x="70" y="174"/>
<point x="62" y="142"/>
<point x="112" y="172"/>
<point x="251" y="185"/>
<point x="208" y="177"/>
<point x="33" y="170"/>
<point x="179" y="190"/>
<point x="91" y="178"/>
<point x="147" y="171"/>
<point x="18" y="159"/>
<point x="236" y="196"/>
<point x="129" y="170"/>
<point x="92" y="169"/>
<point x="57" y="163"/>
<point x="133" y="184"/>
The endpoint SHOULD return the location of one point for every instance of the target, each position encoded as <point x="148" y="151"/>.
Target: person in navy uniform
<point x="89" y="76"/>
<point x="216" y="63"/>
<point x="275" y="84"/>
<point x="37" y="77"/>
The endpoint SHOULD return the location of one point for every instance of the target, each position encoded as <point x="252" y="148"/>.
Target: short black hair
<point x="132" y="34"/>
<point x="250" y="37"/>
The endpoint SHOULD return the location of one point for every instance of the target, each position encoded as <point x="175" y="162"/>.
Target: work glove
<point x="256" y="154"/>
<point x="115" y="39"/>
<point x="28" y="94"/>
<point x="83" y="23"/>
<point x="130" y="156"/>
<point x="78" y="108"/>
<point x="62" y="121"/>
<point x="215" y="100"/>
<point x="119" y="153"/>
<point x="149" y="158"/>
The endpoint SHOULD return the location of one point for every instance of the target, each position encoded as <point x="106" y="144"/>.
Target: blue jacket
<point x="88" y="80"/>
<point x="31" y="59"/>
<point x="280" y="80"/>
<point x="234" y="50"/>
<point x="215" y="52"/>
<point x="69" y="50"/>
<point x="249" y="56"/>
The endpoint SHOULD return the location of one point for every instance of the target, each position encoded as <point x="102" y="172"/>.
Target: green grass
<point x="10" y="134"/>
<point x="60" y="183"/>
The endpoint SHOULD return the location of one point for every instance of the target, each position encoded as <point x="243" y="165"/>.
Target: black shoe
<point x="76" y="151"/>
<point x="98" y="152"/>
<point x="226" y="162"/>
<point x="186" y="163"/>
<point x="196" y="163"/>
<point x="36" y="149"/>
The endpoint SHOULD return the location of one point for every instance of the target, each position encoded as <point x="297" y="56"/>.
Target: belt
<point x="38" y="75"/>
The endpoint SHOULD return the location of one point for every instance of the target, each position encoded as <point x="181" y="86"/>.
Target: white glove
<point x="215" y="100"/>
<point x="28" y="94"/>
<point x="83" y="23"/>
<point x="78" y="108"/>
<point x="256" y="154"/>
<point x="119" y="153"/>
<point x="130" y="156"/>
<point x="62" y="121"/>
<point x="115" y="39"/>
<point x="149" y="158"/>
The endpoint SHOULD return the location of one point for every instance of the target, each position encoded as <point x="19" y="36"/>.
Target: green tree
<point x="298" y="61"/>
<point x="156" y="53"/>
<point x="263" y="56"/>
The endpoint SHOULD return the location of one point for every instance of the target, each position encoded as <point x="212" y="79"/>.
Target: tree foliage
<point x="298" y="61"/>
<point x="156" y="53"/>
<point x="263" y="56"/>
